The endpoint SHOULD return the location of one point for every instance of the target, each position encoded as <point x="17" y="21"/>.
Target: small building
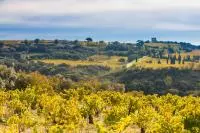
<point x="153" y="40"/>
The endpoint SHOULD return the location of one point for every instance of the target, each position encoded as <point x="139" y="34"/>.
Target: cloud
<point x="55" y="7"/>
<point x="138" y="17"/>
<point x="132" y="13"/>
<point x="177" y="27"/>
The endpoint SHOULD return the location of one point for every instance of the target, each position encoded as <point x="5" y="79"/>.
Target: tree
<point x="140" y="43"/>
<point x="179" y="59"/>
<point x="168" y="81"/>
<point x="161" y="54"/>
<point x="36" y="41"/>
<point x="159" y="62"/>
<point x="154" y="53"/>
<point x="56" y="41"/>
<point x="1" y="44"/>
<point x="170" y="50"/>
<point x="168" y="60"/>
<point x="89" y="39"/>
<point x="102" y="42"/>
<point x="117" y="46"/>
<point x="26" y="42"/>
<point x="173" y="59"/>
<point x="183" y="61"/>
<point x="122" y="60"/>
<point x="188" y="58"/>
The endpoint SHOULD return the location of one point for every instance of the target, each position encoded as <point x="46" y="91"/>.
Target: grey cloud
<point x="120" y="17"/>
<point x="117" y="19"/>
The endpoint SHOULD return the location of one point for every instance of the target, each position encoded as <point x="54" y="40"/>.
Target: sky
<point x="110" y="20"/>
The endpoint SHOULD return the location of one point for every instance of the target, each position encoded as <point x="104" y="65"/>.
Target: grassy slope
<point x="193" y="53"/>
<point x="112" y="62"/>
<point x="145" y="63"/>
<point x="163" y="45"/>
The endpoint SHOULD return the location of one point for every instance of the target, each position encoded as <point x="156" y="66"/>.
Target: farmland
<point x="191" y="54"/>
<point x="148" y="62"/>
<point x="113" y="61"/>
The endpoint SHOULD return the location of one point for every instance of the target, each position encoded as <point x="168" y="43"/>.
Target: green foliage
<point x="1" y="44"/>
<point x="89" y="39"/>
<point x="36" y="41"/>
<point x="192" y="123"/>
<point x="168" y="80"/>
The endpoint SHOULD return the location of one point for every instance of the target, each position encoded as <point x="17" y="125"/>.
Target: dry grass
<point x="148" y="62"/>
<point x="162" y="45"/>
<point x="195" y="52"/>
<point x="191" y="54"/>
<point x="9" y="42"/>
<point x="108" y="61"/>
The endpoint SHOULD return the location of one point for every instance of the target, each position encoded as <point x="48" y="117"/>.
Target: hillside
<point x="156" y="63"/>
<point x="64" y="86"/>
<point x="159" y="81"/>
<point x="109" y="62"/>
<point x="113" y="62"/>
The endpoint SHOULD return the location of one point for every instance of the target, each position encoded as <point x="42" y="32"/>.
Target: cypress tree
<point x="179" y="59"/>
<point x="183" y="61"/>
<point x="174" y="59"/>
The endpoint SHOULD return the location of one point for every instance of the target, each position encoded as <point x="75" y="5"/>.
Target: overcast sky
<point x="122" y="20"/>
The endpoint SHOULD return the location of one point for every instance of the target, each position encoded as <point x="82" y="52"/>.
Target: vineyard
<point x="88" y="108"/>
